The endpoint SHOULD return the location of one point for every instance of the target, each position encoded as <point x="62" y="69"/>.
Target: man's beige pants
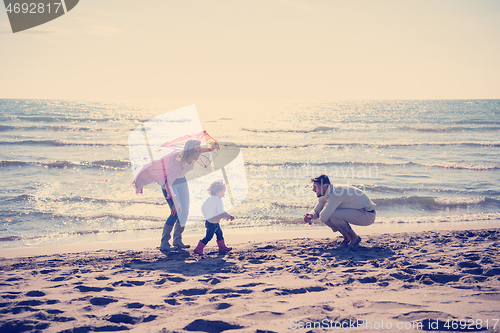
<point x="343" y="217"/>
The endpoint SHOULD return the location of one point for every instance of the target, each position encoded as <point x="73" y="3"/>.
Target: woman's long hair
<point x="188" y="150"/>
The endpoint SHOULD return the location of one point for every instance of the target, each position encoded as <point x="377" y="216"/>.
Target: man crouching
<point x="339" y="206"/>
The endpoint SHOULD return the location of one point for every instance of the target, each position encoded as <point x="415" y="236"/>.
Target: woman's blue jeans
<point x="181" y="190"/>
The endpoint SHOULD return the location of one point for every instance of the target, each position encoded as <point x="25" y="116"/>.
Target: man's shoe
<point x="344" y="243"/>
<point x="356" y="243"/>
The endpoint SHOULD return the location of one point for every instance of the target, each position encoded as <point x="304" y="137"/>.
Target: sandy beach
<point x="435" y="280"/>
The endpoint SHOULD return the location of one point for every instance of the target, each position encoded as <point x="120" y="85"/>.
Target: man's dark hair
<point x="321" y="179"/>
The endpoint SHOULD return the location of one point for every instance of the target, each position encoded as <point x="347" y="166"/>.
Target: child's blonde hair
<point x="216" y="186"/>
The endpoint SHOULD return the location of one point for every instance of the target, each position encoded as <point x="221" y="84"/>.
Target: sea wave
<point x="491" y="144"/>
<point x="477" y="122"/>
<point x="445" y="165"/>
<point x="449" y="129"/>
<point x="429" y="203"/>
<point x="476" y="217"/>
<point x="80" y="199"/>
<point x="6" y="128"/>
<point x="62" y="128"/>
<point x="308" y="164"/>
<point x="435" y="203"/>
<point x="57" y="118"/>
<point x="94" y="216"/>
<point x="67" y="164"/>
<point x="403" y="190"/>
<point x="18" y="238"/>
<point x="59" y="143"/>
<point x="19" y="198"/>
<point x="317" y="129"/>
<point x="463" y="166"/>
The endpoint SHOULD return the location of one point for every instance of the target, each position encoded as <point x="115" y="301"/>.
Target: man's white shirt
<point x="341" y="196"/>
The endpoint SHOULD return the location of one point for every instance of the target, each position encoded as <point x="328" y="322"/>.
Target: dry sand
<point x="284" y="282"/>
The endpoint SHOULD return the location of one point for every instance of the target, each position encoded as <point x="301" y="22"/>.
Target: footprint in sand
<point x="394" y="305"/>
<point x="285" y="291"/>
<point x="128" y="283"/>
<point x="493" y="271"/>
<point x="48" y="271"/>
<point x="4" y="305"/>
<point x="13" y="279"/>
<point x="472" y="271"/>
<point x="230" y="291"/>
<point x="215" y="281"/>
<point x="85" y="289"/>
<point x="20" y="309"/>
<point x="368" y="279"/>
<point x="211" y="326"/>
<point x="135" y="305"/>
<point x="60" y="278"/>
<point x="438" y="277"/>
<point x="125" y="318"/>
<point x="224" y="294"/>
<point x="23" y="326"/>
<point x="222" y="306"/>
<point x="33" y="302"/>
<point x="176" y="279"/>
<point x="190" y="292"/>
<point x="468" y="264"/>
<point x="172" y="301"/>
<point x="249" y="285"/>
<point x="107" y="328"/>
<point x="11" y="295"/>
<point x="488" y="296"/>
<point x="423" y="315"/>
<point x="53" y="318"/>
<point x="100" y="278"/>
<point x="102" y="301"/>
<point x="212" y="280"/>
<point x="262" y="316"/>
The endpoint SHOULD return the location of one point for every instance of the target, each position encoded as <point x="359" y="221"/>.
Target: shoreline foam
<point x="236" y="236"/>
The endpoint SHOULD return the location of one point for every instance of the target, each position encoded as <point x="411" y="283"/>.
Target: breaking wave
<point x="67" y="164"/>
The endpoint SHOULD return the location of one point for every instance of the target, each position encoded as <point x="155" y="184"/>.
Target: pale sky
<point x="272" y="49"/>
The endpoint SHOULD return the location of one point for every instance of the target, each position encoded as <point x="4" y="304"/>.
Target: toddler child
<point x="213" y="211"/>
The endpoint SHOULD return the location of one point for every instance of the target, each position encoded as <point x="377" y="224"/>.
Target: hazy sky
<point x="278" y="49"/>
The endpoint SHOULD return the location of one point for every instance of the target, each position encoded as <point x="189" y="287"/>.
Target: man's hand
<point x="307" y="217"/>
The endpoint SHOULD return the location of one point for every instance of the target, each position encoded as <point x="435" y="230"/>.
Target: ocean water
<point x="67" y="178"/>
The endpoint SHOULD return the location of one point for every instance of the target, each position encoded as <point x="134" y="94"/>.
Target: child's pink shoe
<point x="223" y="247"/>
<point x="199" y="248"/>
